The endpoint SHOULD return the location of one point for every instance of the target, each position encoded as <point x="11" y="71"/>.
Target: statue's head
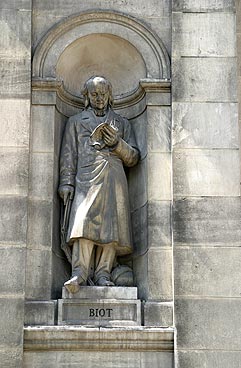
<point x="97" y="93"/>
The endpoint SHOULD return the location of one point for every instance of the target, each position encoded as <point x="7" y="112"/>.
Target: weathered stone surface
<point x="206" y="271"/>
<point x="204" y="6"/>
<point x="14" y="122"/>
<point x="15" y="77"/>
<point x="157" y="99"/>
<point x="139" y="230"/>
<point x="13" y="219"/>
<point x="159" y="224"/>
<point x="159" y="176"/>
<point x="239" y="92"/>
<point x="51" y="13"/>
<point x="216" y="170"/>
<point x="205" y="125"/>
<point x="11" y="357"/>
<point x="40" y="313"/>
<point x="124" y="69"/>
<point x="161" y="25"/>
<point x="43" y="128"/>
<point x="90" y="360"/>
<point x="239" y="52"/>
<point x="204" y="79"/>
<point x="209" y="359"/>
<point x="153" y="8"/>
<point x="98" y="339"/>
<point x="40" y="97"/>
<point x="207" y="221"/>
<point x="238" y="8"/>
<point x="60" y="122"/>
<point x="102" y="292"/>
<point x="20" y="5"/>
<point x="40" y="223"/>
<point x="140" y="268"/>
<point x="137" y="182"/>
<point x="204" y="34"/>
<point x="15" y="33"/>
<point x="157" y="360"/>
<point x="12" y="274"/>
<point x="133" y="115"/>
<point x="102" y="312"/>
<point x="208" y="323"/>
<point x="160" y="274"/>
<point x="41" y="176"/>
<point x="139" y="126"/>
<point x="158" y="314"/>
<point x="13" y="171"/>
<point x="38" y="275"/>
<point x="114" y="26"/>
<point x="11" y="321"/>
<point x="159" y="129"/>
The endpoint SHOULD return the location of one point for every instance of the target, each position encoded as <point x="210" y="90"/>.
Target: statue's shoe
<point x="104" y="281"/>
<point x="72" y="285"/>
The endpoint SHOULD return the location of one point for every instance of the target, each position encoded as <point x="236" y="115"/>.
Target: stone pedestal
<point x="100" y="306"/>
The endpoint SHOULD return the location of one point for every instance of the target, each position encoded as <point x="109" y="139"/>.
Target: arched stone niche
<point x="127" y="52"/>
<point x="102" y="54"/>
<point x="64" y="33"/>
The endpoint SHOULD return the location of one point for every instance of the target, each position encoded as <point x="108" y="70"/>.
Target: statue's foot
<point x="72" y="285"/>
<point x="104" y="281"/>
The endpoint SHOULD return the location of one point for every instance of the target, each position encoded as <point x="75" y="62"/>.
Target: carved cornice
<point x="120" y="102"/>
<point x="98" y="339"/>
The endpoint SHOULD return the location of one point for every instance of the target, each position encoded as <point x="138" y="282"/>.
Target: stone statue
<point x="96" y="144"/>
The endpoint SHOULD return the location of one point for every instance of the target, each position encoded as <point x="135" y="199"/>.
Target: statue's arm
<point x="126" y="147"/>
<point x="68" y="159"/>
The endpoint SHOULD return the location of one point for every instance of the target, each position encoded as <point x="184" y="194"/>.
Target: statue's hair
<point x="89" y="82"/>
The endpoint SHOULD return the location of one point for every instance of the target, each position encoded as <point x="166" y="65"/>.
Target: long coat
<point x="100" y="208"/>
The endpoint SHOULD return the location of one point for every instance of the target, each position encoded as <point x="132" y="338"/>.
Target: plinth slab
<point x="101" y="313"/>
<point x="102" y="292"/>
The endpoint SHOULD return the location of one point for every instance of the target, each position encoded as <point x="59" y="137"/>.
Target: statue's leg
<point x="104" y="259"/>
<point x="81" y="257"/>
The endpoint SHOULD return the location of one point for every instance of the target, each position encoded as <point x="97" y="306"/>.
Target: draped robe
<point x="100" y="208"/>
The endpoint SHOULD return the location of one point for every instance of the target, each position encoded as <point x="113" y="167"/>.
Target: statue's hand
<point x="110" y="136"/>
<point x="65" y="191"/>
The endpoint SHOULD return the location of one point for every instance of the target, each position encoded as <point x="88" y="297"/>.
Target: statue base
<point x="100" y="306"/>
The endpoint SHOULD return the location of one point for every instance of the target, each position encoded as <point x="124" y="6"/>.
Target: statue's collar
<point x="100" y="113"/>
<point x="106" y="117"/>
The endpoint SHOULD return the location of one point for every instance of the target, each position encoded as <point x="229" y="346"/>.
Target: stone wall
<point x="238" y="30"/>
<point x="206" y="169"/>
<point x="15" y="94"/>
<point x="71" y="43"/>
<point x="185" y="191"/>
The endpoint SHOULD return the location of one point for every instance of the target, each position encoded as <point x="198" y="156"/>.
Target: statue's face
<point x="98" y="94"/>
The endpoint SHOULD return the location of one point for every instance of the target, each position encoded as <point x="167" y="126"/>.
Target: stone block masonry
<point x="206" y="170"/>
<point x="15" y="94"/>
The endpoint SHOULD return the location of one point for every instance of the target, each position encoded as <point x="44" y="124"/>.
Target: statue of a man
<point x="96" y="144"/>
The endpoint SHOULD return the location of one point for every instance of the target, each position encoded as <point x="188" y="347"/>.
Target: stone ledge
<point x="52" y="338"/>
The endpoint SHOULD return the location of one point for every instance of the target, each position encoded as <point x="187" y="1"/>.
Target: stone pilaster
<point x="206" y="179"/>
<point x="15" y="44"/>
